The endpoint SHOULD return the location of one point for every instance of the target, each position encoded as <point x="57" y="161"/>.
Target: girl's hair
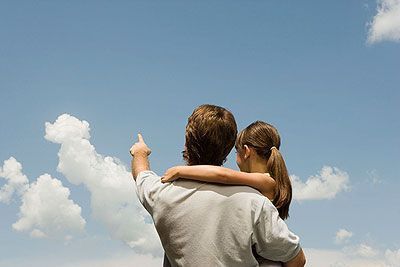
<point x="264" y="138"/>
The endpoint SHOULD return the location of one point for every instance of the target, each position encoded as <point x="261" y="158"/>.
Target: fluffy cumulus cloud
<point x="386" y="23"/>
<point x="113" y="197"/>
<point x="325" y="185"/>
<point x="16" y="181"/>
<point x="47" y="211"/>
<point x="343" y="236"/>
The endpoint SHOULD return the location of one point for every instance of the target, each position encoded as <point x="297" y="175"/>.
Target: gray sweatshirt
<point x="206" y="224"/>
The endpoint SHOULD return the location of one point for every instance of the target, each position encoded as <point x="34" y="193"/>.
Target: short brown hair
<point x="265" y="140"/>
<point x="210" y="135"/>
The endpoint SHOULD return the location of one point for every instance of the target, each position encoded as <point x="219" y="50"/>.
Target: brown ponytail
<point x="283" y="194"/>
<point x="265" y="139"/>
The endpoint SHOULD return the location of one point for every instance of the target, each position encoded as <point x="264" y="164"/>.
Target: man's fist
<point x="140" y="147"/>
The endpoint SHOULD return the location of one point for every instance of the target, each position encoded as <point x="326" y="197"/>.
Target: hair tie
<point x="273" y="148"/>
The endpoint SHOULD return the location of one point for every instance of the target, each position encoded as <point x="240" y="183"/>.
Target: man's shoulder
<point x="219" y="193"/>
<point x="148" y="187"/>
<point x="240" y="191"/>
<point x="146" y="174"/>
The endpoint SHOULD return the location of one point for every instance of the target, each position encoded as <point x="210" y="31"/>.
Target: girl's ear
<point x="246" y="152"/>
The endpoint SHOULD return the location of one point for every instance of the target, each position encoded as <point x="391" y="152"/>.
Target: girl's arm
<point x="215" y="174"/>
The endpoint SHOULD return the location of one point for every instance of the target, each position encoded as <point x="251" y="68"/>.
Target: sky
<point x="79" y="80"/>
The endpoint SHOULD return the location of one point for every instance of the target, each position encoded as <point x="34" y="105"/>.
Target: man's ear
<point x="246" y="151"/>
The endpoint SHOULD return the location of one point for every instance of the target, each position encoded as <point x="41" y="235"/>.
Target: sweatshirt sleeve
<point x="271" y="236"/>
<point x="148" y="185"/>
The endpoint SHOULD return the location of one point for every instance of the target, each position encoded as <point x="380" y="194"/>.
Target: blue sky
<point x="312" y="69"/>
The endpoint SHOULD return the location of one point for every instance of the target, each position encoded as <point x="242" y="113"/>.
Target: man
<point x="204" y="224"/>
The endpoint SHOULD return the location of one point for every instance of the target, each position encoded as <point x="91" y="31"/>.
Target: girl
<point x="260" y="162"/>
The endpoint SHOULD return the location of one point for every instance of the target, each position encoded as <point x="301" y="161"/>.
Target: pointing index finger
<point x="140" y="138"/>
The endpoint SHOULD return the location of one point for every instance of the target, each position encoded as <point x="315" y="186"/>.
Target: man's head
<point x="210" y="135"/>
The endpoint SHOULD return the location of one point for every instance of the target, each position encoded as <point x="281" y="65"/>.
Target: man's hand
<point x="140" y="152"/>
<point x="140" y="147"/>
<point x="170" y="175"/>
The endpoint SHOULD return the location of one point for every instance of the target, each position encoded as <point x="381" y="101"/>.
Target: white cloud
<point x="362" y="250"/>
<point x="393" y="257"/>
<point x="115" y="260"/>
<point x="315" y="258"/>
<point x="343" y="236"/>
<point x="36" y="233"/>
<point x="385" y="25"/>
<point x="67" y="129"/>
<point x="112" y="189"/>
<point x="337" y="258"/>
<point x="374" y="177"/>
<point x="16" y="181"/>
<point x="47" y="211"/>
<point x="325" y="185"/>
<point x="119" y="260"/>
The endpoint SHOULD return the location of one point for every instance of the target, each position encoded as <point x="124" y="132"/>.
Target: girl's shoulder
<point x="266" y="184"/>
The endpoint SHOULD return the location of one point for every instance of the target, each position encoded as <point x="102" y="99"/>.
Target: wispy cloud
<point x="393" y="257"/>
<point x="364" y="254"/>
<point x="363" y="250"/>
<point x="111" y="186"/>
<point x="119" y="260"/>
<point x="385" y="25"/>
<point x="374" y="177"/>
<point x="114" y="260"/>
<point x="342" y="236"/>
<point x="360" y="256"/>
<point x="325" y="185"/>
<point x="315" y="258"/>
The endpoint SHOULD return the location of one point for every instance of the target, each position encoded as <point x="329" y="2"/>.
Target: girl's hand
<point x="170" y="175"/>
